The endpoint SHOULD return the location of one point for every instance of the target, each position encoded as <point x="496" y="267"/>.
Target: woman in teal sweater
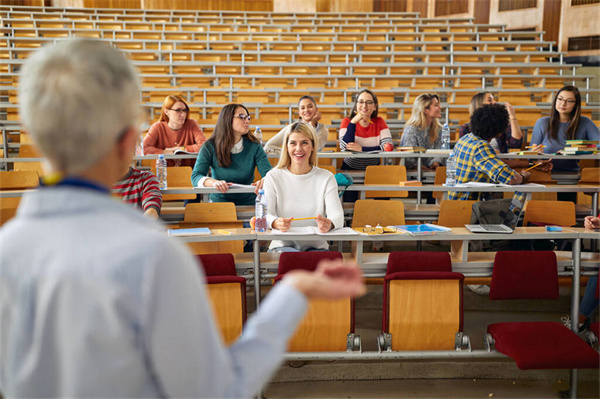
<point x="231" y="154"/>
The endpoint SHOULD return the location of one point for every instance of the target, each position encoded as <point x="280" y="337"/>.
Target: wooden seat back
<point x="559" y="213"/>
<point x="439" y="179"/>
<point x="373" y="212"/>
<point x="385" y="174"/>
<point x="455" y="213"/>
<point x="214" y="215"/>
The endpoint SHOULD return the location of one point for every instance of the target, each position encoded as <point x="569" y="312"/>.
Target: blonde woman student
<point x="296" y="188"/>
<point x="423" y="129"/>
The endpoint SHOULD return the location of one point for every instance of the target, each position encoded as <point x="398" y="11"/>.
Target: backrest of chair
<point x="218" y="264"/>
<point x="590" y="176"/>
<point x="440" y="178"/>
<point x="29" y="151"/>
<point x="455" y="213"/>
<point x="385" y="174"/>
<point x="423" y="310"/>
<point x="18" y="180"/>
<point x="327" y="323"/>
<point x="560" y="213"/>
<point x="210" y="212"/>
<point x="35" y="166"/>
<point x="524" y="275"/>
<point x="372" y="212"/>
<point x="540" y="176"/>
<point x="418" y="261"/>
<point x="307" y="260"/>
<point x="227" y="293"/>
<point x="178" y="176"/>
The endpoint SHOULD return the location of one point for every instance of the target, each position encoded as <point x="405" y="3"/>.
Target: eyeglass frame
<point x="370" y="103"/>
<point x="179" y="110"/>
<point x="243" y="117"/>
<point x="565" y="100"/>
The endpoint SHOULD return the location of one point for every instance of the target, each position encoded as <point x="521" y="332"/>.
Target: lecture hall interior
<point x="431" y="324"/>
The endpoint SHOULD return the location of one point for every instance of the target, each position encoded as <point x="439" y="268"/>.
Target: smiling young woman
<point x="565" y="122"/>
<point x="174" y="131"/>
<point x="298" y="189"/>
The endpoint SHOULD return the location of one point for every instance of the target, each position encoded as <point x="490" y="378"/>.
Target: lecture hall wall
<point x="573" y="24"/>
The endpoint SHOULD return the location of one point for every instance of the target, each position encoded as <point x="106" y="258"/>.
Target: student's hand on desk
<point x="221" y="185"/>
<point x="258" y="185"/>
<point x="282" y="224"/>
<point x="324" y="224"/>
<point x="591" y="222"/>
<point x="526" y="175"/>
<point x="171" y="150"/>
<point x="333" y="279"/>
<point x="546" y="166"/>
<point x="434" y="166"/>
<point x="539" y="148"/>
<point x="353" y="147"/>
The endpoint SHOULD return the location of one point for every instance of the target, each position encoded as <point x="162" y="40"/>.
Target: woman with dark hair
<point x="174" y="131"/>
<point x="364" y="131"/>
<point x="231" y="154"/>
<point x="308" y="113"/>
<point x="564" y="123"/>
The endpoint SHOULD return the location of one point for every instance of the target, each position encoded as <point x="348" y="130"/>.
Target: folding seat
<point x="535" y="345"/>
<point x="385" y="174"/>
<point x="422" y="303"/>
<point x="327" y="325"/>
<point x="227" y="292"/>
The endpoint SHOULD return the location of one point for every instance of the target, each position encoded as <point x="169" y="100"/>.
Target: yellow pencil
<point x="225" y="232"/>
<point x="294" y="219"/>
<point x="534" y="166"/>
<point x="531" y="146"/>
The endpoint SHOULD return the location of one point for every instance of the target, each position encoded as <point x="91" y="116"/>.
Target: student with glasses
<point x="231" y="154"/>
<point x="364" y="131"/>
<point x="308" y="113"/>
<point x="423" y="129"/>
<point x="174" y="131"/>
<point x="564" y="123"/>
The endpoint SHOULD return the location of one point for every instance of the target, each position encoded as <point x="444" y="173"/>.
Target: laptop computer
<point x="511" y="217"/>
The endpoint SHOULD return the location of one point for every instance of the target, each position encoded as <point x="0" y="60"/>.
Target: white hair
<point x="76" y="99"/>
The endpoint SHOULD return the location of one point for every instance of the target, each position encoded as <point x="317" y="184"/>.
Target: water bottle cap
<point x="445" y="125"/>
<point x="161" y="156"/>
<point x="261" y="191"/>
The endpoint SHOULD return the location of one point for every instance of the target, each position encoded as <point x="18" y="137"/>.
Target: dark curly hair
<point x="489" y="121"/>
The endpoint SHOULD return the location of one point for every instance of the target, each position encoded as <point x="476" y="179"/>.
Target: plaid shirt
<point x="476" y="161"/>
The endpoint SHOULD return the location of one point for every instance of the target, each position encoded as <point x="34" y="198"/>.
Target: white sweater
<point x="314" y="193"/>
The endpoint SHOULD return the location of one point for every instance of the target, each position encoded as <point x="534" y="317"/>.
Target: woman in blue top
<point x="564" y="123"/>
<point x="231" y="154"/>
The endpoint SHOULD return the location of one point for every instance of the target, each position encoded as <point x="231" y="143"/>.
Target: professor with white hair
<point x="95" y="299"/>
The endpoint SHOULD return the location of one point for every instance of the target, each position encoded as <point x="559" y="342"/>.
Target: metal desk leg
<point x="256" y="256"/>
<point x="595" y="213"/>
<point x="419" y="177"/>
<point x="576" y="254"/>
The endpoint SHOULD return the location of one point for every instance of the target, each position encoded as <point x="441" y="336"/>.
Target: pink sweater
<point x="161" y="136"/>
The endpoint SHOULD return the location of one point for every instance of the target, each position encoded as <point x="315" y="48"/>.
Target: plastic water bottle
<point x="258" y="134"/>
<point x="161" y="172"/>
<point x="260" y="225"/>
<point x="451" y="170"/>
<point x="139" y="150"/>
<point x="445" y="137"/>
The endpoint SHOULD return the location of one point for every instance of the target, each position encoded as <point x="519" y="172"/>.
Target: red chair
<point x="422" y="303"/>
<point x="327" y="325"/>
<point x="535" y="345"/>
<point x="595" y="326"/>
<point x="227" y="292"/>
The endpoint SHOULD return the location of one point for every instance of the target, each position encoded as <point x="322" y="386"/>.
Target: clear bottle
<point x="445" y="137"/>
<point x="260" y="225"/>
<point x="451" y="170"/>
<point x="139" y="149"/>
<point x="161" y="172"/>
<point x="258" y="134"/>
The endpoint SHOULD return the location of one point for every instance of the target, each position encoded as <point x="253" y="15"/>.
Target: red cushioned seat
<point x="595" y="327"/>
<point x="543" y="345"/>
<point x="218" y="264"/>
<point x="418" y="261"/>
<point x="535" y="345"/>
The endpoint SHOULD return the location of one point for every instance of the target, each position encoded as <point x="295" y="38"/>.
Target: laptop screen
<point x="511" y="218"/>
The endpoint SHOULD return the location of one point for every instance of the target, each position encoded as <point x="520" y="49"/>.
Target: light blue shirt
<point x="586" y="130"/>
<point x="97" y="301"/>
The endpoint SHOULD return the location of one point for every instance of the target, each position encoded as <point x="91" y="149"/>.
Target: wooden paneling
<point x="510" y="5"/>
<point x="481" y="12"/>
<point x="344" y="6"/>
<point x="450" y="7"/>
<point x="390" y="5"/>
<point x="240" y="5"/>
<point x="551" y="22"/>
<point x="419" y="6"/>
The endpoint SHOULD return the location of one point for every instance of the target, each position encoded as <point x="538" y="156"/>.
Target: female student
<point x="174" y="131"/>
<point x="364" y="131"/>
<point x="231" y="154"/>
<point x="564" y="123"/>
<point x="308" y="113"/>
<point x="296" y="188"/>
<point x="423" y="129"/>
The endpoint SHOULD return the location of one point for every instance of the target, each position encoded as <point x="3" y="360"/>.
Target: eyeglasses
<point x="243" y="117"/>
<point x="368" y="102"/>
<point x="566" y="101"/>
<point x="179" y="110"/>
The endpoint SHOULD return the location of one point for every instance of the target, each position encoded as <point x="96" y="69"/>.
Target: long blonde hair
<point x="418" y="119"/>
<point x="306" y="130"/>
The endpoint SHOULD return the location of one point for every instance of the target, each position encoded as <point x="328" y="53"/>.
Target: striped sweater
<point x="139" y="188"/>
